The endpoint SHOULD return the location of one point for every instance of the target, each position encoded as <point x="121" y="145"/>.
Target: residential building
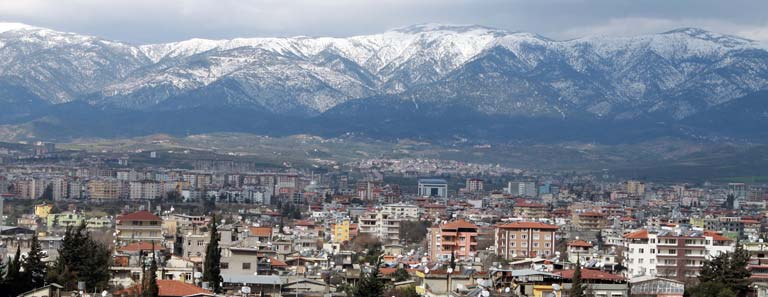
<point x="139" y="226"/>
<point x="676" y="254"/>
<point x="458" y="238"/>
<point x="384" y="225"/>
<point x="403" y="210"/>
<point x="525" y="239"/>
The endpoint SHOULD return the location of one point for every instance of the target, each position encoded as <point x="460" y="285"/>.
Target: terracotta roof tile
<point x="459" y="224"/>
<point x="139" y="216"/>
<point x="591" y="274"/>
<point x="716" y="236"/>
<point x="528" y="225"/>
<point x="137" y="246"/>
<point x="261" y="231"/>
<point x="579" y="243"/>
<point x="640" y="234"/>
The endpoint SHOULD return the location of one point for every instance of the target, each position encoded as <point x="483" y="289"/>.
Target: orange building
<point x="458" y="237"/>
<point x="525" y="239"/>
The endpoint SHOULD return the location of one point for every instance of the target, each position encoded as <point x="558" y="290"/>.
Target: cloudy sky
<point x="149" y="21"/>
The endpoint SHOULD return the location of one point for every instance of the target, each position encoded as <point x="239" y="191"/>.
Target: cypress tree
<point x="152" y="289"/>
<point x="212" y="263"/>
<point x="12" y="277"/>
<point x="577" y="287"/>
<point x="370" y="284"/>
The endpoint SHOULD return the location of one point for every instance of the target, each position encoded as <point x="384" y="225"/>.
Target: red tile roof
<point x="169" y="288"/>
<point x="591" y="214"/>
<point x="137" y="246"/>
<point x="528" y="225"/>
<point x="716" y="236"/>
<point x="261" y="231"/>
<point x="276" y="262"/>
<point x="139" y="216"/>
<point x="172" y="288"/>
<point x="591" y="274"/>
<point x="640" y="234"/>
<point x="579" y="243"/>
<point x="459" y="224"/>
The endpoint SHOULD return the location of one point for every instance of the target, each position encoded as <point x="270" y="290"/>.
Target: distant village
<point x="393" y="227"/>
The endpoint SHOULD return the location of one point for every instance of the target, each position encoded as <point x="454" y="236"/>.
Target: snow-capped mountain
<point x="669" y="76"/>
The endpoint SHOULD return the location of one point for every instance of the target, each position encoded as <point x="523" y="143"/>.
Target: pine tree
<point x="212" y="264"/>
<point x="72" y="266"/>
<point x="577" y="287"/>
<point x="34" y="267"/>
<point x="727" y="268"/>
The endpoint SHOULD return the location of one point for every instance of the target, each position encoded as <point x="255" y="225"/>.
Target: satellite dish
<point x="485" y="293"/>
<point x="104" y="293"/>
<point x="426" y="270"/>
<point x="245" y="290"/>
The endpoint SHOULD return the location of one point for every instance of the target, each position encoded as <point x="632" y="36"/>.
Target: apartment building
<point x="457" y="237"/>
<point x="139" y="226"/>
<point x="403" y="210"/>
<point x="104" y="189"/>
<point x="525" y="239"/>
<point x="145" y="189"/>
<point x="676" y="254"/>
<point x="340" y="231"/>
<point x="384" y="225"/>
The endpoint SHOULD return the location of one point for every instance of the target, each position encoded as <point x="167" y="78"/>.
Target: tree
<point x="409" y="291"/>
<point x="34" y="267"/>
<point x="370" y="284"/>
<point x="151" y="289"/>
<point x="453" y="260"/>
<point x="577" y="287"/>
<point x="727" y="268"/>
<point x="13" y="279"/>
<point x="710" y="289"/>
<point x="212" y="264"/>
<point x="413" y="231"/>
<point x="71" y="266"/>
<point x="47" y="193"/>
<point x="401" y="275"/>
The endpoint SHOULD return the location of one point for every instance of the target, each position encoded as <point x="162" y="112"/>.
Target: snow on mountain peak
<point x="435" y="27"/>
<point x="722" y="39"/>
<point x="5" y="27"/>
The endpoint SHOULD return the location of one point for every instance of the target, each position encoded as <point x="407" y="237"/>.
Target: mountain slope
<point x="451" y="80"/>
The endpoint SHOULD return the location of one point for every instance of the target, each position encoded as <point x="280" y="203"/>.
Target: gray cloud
<point x="145" y="21"/>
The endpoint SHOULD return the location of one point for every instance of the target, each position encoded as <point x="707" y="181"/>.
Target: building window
<point x="535" y="236"/>
<point x="246" y="266"/>
<point x="224" y="265"/>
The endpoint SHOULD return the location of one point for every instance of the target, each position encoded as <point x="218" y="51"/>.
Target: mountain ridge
<point x="484" y="72"/>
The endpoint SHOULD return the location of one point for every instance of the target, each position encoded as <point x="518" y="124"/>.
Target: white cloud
<point x="144" y="21"/>
<point x="637" y="26"/>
